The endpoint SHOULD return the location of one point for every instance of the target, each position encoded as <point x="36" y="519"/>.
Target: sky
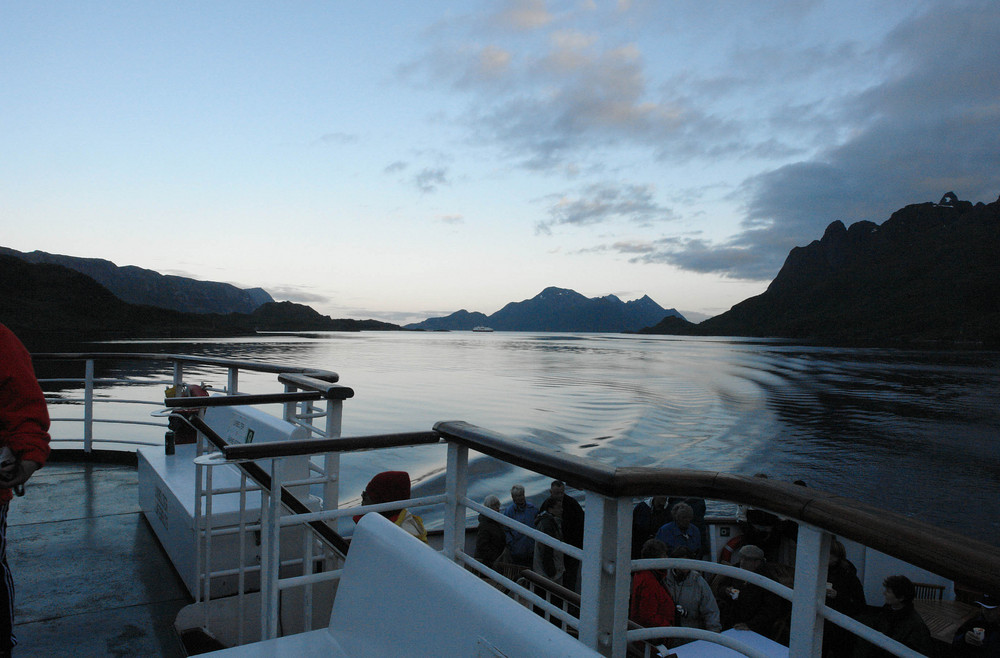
<point x="404" y="160"/>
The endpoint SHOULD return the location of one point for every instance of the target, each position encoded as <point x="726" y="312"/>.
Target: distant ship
<point x="481" y="328"/>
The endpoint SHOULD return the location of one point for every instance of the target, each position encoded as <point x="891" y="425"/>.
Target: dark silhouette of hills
<point x="140" y="286"/>
<point x="50" y="305"/>
<point x="928" y="273"/>
<point x="559" y="309"/>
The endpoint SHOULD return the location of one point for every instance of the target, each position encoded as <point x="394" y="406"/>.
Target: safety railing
<point x="606" y="564"/>
<point x="85" y="391"/>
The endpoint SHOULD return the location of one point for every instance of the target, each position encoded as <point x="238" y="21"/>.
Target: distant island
<point x="929" y="273"/>
<point x="558" y="309"/>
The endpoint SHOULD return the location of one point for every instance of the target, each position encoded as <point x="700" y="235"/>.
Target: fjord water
<point x="917" y="432"/>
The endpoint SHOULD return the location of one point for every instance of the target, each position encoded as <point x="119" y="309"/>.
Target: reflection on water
<point x="914" y="431"/>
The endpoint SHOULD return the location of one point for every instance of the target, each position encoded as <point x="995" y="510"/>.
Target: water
<point x="917" y="432"/>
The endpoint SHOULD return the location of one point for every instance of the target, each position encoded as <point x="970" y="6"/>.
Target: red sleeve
<point x="24" y="418"/>
<point x="651" y="603"/>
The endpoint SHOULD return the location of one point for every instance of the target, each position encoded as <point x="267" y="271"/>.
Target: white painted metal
<point x="605" y="574"/>
<point x="456" y="486"/>
<point x="811" y="563"/>
<point x="270" y="553"/>
<point x="88" y="407"/>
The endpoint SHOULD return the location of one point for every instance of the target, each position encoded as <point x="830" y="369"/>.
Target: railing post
<point x="178" y="373"/>
<point x="456" y="486"/>
<point x="88" y="407"/>
<point x="233" y="381"/>
<point x="331" y="463"/>
<point x="811" y="562"/>
<point x="270" y="555"/>
<point x="606" y="574"/>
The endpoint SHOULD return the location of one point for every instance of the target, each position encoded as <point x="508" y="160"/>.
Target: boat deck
<point x="90" y="576"/>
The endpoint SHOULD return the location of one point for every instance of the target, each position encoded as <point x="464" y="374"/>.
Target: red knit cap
<point x="389" y="486"/>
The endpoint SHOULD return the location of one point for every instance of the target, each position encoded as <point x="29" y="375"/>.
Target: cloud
<point x="297" y="294"/>
<point x="451" y="219"/>
<point x="602" y="203"/>
<point x="428" y="179"/>
<point x="929" y="127"/>
<point x="337" y="139"/>
<point x="395" y="167"/>
<point x="523" y="15"/>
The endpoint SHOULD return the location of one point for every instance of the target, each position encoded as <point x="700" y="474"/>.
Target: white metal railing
<point x="606" y="565"/>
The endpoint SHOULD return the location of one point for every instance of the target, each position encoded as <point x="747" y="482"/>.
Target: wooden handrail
<point x="922" y="544"/>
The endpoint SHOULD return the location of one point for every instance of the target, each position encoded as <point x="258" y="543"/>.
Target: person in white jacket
<point x="696" y="606"/>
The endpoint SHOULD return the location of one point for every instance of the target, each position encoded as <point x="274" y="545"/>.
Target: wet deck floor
<point x="90" y="576"/>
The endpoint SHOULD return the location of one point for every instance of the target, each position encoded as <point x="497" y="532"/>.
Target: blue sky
<point x="408" y="159"/>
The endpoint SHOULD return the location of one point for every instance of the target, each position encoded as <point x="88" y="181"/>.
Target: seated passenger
<point x="490" y="538"/>
<point x="647" y="518"/>
<point x="388" y="487"/>
<point x="680" y="531"/>
<point x="650" y="604"/>
<point x="745" y="606"/>
<point x="695" y="604"/>
<point x="970" y="642"/>
<point x="899" y="620"/>
<point x="548" y="561"/>
<point x="844" y="594"/>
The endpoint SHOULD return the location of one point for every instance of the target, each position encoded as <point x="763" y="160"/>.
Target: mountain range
<point x="558" y="309"/>
<point x="136" y="285"/>
<point x="52" y="307"/>
<point x="928" y="273"/>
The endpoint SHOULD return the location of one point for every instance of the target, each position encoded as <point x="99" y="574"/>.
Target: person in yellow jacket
<point x="390" y="486"/>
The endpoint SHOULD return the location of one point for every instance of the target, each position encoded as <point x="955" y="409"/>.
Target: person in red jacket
<point x="24" y="442"/>
<point x="651" y="605"/>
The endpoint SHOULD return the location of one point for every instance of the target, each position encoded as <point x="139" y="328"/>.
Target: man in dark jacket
<point x="980" y="636"/>
<point x="490" y="538"/>
<point x="572" y="529"/>
<point x="898" y="620"/>
<point x="745" y="606"/>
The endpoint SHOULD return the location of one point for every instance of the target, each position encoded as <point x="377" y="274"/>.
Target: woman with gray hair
<point x="680" y="531"/>
<point x="490" y="538"/>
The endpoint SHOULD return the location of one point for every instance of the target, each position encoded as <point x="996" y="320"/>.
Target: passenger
<point x="572" y="527"/>
<point x="899" y="620"/>
<point x="388" y="487"/>
<point x="700" y="508"/>
<point x="490" y="538"/>
<point x="696" y="606"/>
<point x="745" y="606"/>
<point x="650" y="605"/>
<point x="844" y="594"/>
<point x="647" y="518"/>
<point x="24" y="429"/>
<point x="548" y="561"/>
<point x="521" y="547"/>
<point x="971" y="642"/>
<point x="680" y="531"/>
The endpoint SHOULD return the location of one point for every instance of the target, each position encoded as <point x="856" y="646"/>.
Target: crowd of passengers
<point x="674" y="527"/>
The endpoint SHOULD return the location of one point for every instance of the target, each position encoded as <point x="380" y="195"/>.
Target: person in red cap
<point x="24" y="440"/>
<point x="388" y="487"/>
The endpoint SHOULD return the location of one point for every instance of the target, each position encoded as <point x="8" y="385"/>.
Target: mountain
<point x="559" y="309"/>
<point x="140" y="286"/>
<point x="49" y="306"/>
<point x="928" y="273"/>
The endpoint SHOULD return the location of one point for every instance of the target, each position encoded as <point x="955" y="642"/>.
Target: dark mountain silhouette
<point x="140" y="286"/>
<point x="457" y="321"/>
<point x="559" y="309"/>
<point x="50" y="305"/>
<point x="928" y="273"/>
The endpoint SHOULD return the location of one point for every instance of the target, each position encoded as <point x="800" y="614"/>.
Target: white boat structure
<point x="247" y="514"/>
<point x="482" y="329"/>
